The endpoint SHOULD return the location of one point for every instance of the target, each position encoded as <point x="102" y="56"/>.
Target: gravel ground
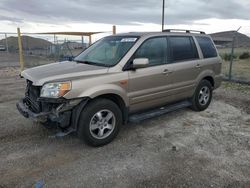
<point x="179" y="149"/>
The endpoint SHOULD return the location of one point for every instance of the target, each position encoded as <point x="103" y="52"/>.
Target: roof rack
<point x="183" y="30"/>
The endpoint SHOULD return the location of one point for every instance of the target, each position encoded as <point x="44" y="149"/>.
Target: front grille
<point x="31" y="95"/>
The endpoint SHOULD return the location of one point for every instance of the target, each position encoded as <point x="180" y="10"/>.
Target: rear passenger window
<point x="182" y="48"/>
<point x="154" y="49"/>
<point x="207" y="47"/>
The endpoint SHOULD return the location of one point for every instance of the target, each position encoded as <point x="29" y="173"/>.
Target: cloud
<point x="122" y="12"/>
<point x="11" y="19"/>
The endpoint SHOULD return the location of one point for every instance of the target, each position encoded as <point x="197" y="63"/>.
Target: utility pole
<point x="163" y="14"/>
<point x="232" y="54"/>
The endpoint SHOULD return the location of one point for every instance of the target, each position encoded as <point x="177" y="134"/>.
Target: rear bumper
<point x="217" y="81"/>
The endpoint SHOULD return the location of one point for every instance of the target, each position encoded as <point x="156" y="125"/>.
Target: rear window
<point x="182" y="48"/>
<point x="207" y="47"/>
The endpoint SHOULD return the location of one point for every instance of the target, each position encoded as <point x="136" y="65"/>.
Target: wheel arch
<point x="117" y="99"/>
<point x="210" y="79"/>
<point x="206" y="75"/>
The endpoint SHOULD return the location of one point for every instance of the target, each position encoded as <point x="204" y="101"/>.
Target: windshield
<point x="107" y="51"/>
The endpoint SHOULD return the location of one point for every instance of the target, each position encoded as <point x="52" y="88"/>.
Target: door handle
<point x="198" y="66"/>
<point x="166" y="71"/>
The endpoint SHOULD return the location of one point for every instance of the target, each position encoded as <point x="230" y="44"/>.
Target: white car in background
<point x="2" y="48"/>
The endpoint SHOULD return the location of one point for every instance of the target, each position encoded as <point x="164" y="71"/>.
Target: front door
<point x="148" y="86"/>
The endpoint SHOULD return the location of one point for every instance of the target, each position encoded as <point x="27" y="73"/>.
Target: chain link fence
<point x="240" y="65"/>
<point x="40" y="49"/>
<point x="234" y="49"/>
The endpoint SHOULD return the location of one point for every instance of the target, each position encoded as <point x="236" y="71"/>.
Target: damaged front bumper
<point x="26" y="112"/>
<point x="61" y="114"/>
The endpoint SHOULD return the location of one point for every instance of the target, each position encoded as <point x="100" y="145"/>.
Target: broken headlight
<point x="55" y="90"/>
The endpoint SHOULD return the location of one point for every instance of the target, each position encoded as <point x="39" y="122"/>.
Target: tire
<point x="202" y="96"/>
<point x="99" y="122"/>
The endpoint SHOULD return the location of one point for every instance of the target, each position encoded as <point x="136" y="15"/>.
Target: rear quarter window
<point x="207" y="47"/>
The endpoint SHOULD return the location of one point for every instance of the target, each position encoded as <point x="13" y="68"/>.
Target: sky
<point x="129" y="15"/>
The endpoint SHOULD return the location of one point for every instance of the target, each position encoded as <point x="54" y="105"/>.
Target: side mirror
<point x="140" y="63"/>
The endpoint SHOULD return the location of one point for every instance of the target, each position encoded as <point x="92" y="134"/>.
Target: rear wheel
<point x="202" y="96"/>
<point x="99" y="122"/>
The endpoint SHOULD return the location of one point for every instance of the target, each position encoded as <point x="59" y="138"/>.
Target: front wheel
<point x="99" y="122"/>
<point x="202" y="96"/>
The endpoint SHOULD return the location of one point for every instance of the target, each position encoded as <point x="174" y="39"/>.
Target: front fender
<point x="104" y="89"/>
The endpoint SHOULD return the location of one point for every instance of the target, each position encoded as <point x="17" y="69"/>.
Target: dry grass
<point x="241" y="68"/>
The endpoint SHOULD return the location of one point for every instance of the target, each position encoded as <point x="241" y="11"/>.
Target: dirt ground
<point x="179" y="149"/>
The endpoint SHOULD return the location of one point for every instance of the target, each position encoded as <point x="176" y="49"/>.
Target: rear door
<point x="184" y="61"/>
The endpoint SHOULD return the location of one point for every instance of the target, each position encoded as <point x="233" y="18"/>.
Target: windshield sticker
<point x="128" y="39"/>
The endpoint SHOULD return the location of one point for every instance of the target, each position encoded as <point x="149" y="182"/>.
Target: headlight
<point x="55" y="90"/>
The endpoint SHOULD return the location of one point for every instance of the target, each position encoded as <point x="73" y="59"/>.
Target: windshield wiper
<point x="91" y="63"/>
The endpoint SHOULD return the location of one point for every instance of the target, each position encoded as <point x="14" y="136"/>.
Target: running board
<point x="136" y="118"/>
<point x="63" y="133"/>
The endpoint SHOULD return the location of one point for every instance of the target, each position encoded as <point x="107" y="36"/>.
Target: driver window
<point x="155" y="49"/>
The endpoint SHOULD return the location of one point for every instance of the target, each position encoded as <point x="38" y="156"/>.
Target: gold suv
<point x="123" y="78"/>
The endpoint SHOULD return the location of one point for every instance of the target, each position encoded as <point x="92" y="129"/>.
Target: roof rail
<point x="183" y="30"/>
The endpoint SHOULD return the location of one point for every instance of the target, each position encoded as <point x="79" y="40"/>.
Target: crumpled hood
<point x="61" y="71"/>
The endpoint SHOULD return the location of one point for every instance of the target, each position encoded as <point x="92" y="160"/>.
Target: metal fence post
<point x="90" y="40"/>
<point x="231" y="60"/>
<point x="232" y="55"/>
<point x="20" y="49"/>
<point x="114" y="29"/>
<point x="6" y="43"/>
<point x="82" y="42"/>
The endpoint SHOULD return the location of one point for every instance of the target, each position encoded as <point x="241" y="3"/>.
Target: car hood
<point x="61" y="71"/>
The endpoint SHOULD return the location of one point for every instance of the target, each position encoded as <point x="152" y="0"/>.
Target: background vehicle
<point x="2" y="48"/>
<point x="123" y="78"/>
